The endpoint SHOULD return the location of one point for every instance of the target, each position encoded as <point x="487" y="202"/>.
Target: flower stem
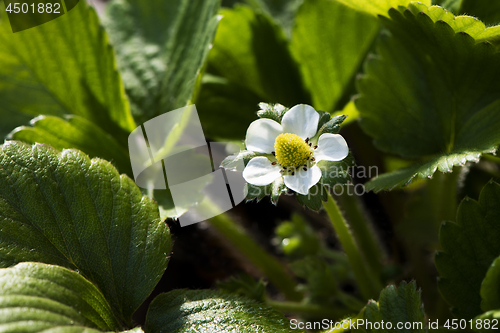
<point x="368" y="282"/>
<point x="365" y="237"/>
<point x="270" y="266"/>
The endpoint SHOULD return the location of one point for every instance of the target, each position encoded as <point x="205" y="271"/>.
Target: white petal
<point x="259" y="171"/>
<point x="302" y="181"/>
<point x="261" y="135"/>
<point x="331" y="147"/>
<point x="301" y="120"/>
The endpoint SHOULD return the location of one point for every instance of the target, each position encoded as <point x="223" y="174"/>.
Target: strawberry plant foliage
<point x="54" y="298"/>
<point x="161" y="47"/>
<point x="469" y="248"/>
<point x="65" y="66"/>
<point x="68" y="210"/>
<point x="431" y="93"/>
<point x="397" y="304"/>
<point x="322" y="28"/>
<point x="75" y="132"/>
<point x="210" y="311"/>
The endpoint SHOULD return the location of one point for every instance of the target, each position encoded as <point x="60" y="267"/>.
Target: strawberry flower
<point x="292" y="149"/>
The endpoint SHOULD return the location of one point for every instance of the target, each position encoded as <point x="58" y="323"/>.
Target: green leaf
<point x="301" y="240"/>
<point x="330" y="42"/>
<point x="451" y="5"/>
<point x="490" y="287"/>
<point x="469" y="248"/>
<point x="211" y="311"/>
<point x="493" y="316"/>
<point x="75" y="132"/>
<point x="161" y="47"/>
<point x="37" y="297"/>
<point x="431" y="93"/>
<point x="251" y="50"/>
<point x="321" y="282"/>
<point x="404" y="176"/>
<point x="314" y="199"/>
<point x="487" y="11"/>
<point x="378" y="7"/>
<point x="226" y="108"/>
<point x="65" y="66"/>
<point x="397" y="305"/>
<point x="249" y="63"/>
<point x="68" y="210"/>
<point x="245" y="286"/>
<point x="283" y="11"/>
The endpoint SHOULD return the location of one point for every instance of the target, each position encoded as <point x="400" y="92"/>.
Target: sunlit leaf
<point x="161" y="47"/>
<point x="68" y="210"/>
<point x="37" y="297"/>
<point x="212" y="311"/>
<point x="329" y="42"/>
<point x="378" y="7"/>
<point x="65" y="66"/>
<point x="431" y="92"/>
<point x="487" y="11"/>
<point x="75" y="132"/>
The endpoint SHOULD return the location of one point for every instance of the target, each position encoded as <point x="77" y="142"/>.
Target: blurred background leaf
<point x="65" y="66"/>
<point x="329" y="42"/>
<point x="250" y="57"/>
<point x="487" y="11"/>
<point x="161" y="47"/>
<point x="469" y="248"/>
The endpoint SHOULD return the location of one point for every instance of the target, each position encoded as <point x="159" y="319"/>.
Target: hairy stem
<point x="364" y="235"/>
<point x="368" y="282"/>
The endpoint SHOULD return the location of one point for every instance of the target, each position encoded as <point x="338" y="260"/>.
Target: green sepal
<point x="231" y="162"/>
<point x="272" y="111"/>
<point x="336" y="172"/>
<point x="324" y="117"/>
<point x="314" y="199"/>
<point x="274" y="190"/>
<point x="256" y="192"/>
<point x="277" y="188"/>
<point x="331" y="126"/>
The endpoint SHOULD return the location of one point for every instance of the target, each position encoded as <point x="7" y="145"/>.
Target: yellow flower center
<point x="291" y="150"/>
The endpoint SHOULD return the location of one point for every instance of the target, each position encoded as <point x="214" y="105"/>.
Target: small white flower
<point x="292" y="153"/>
